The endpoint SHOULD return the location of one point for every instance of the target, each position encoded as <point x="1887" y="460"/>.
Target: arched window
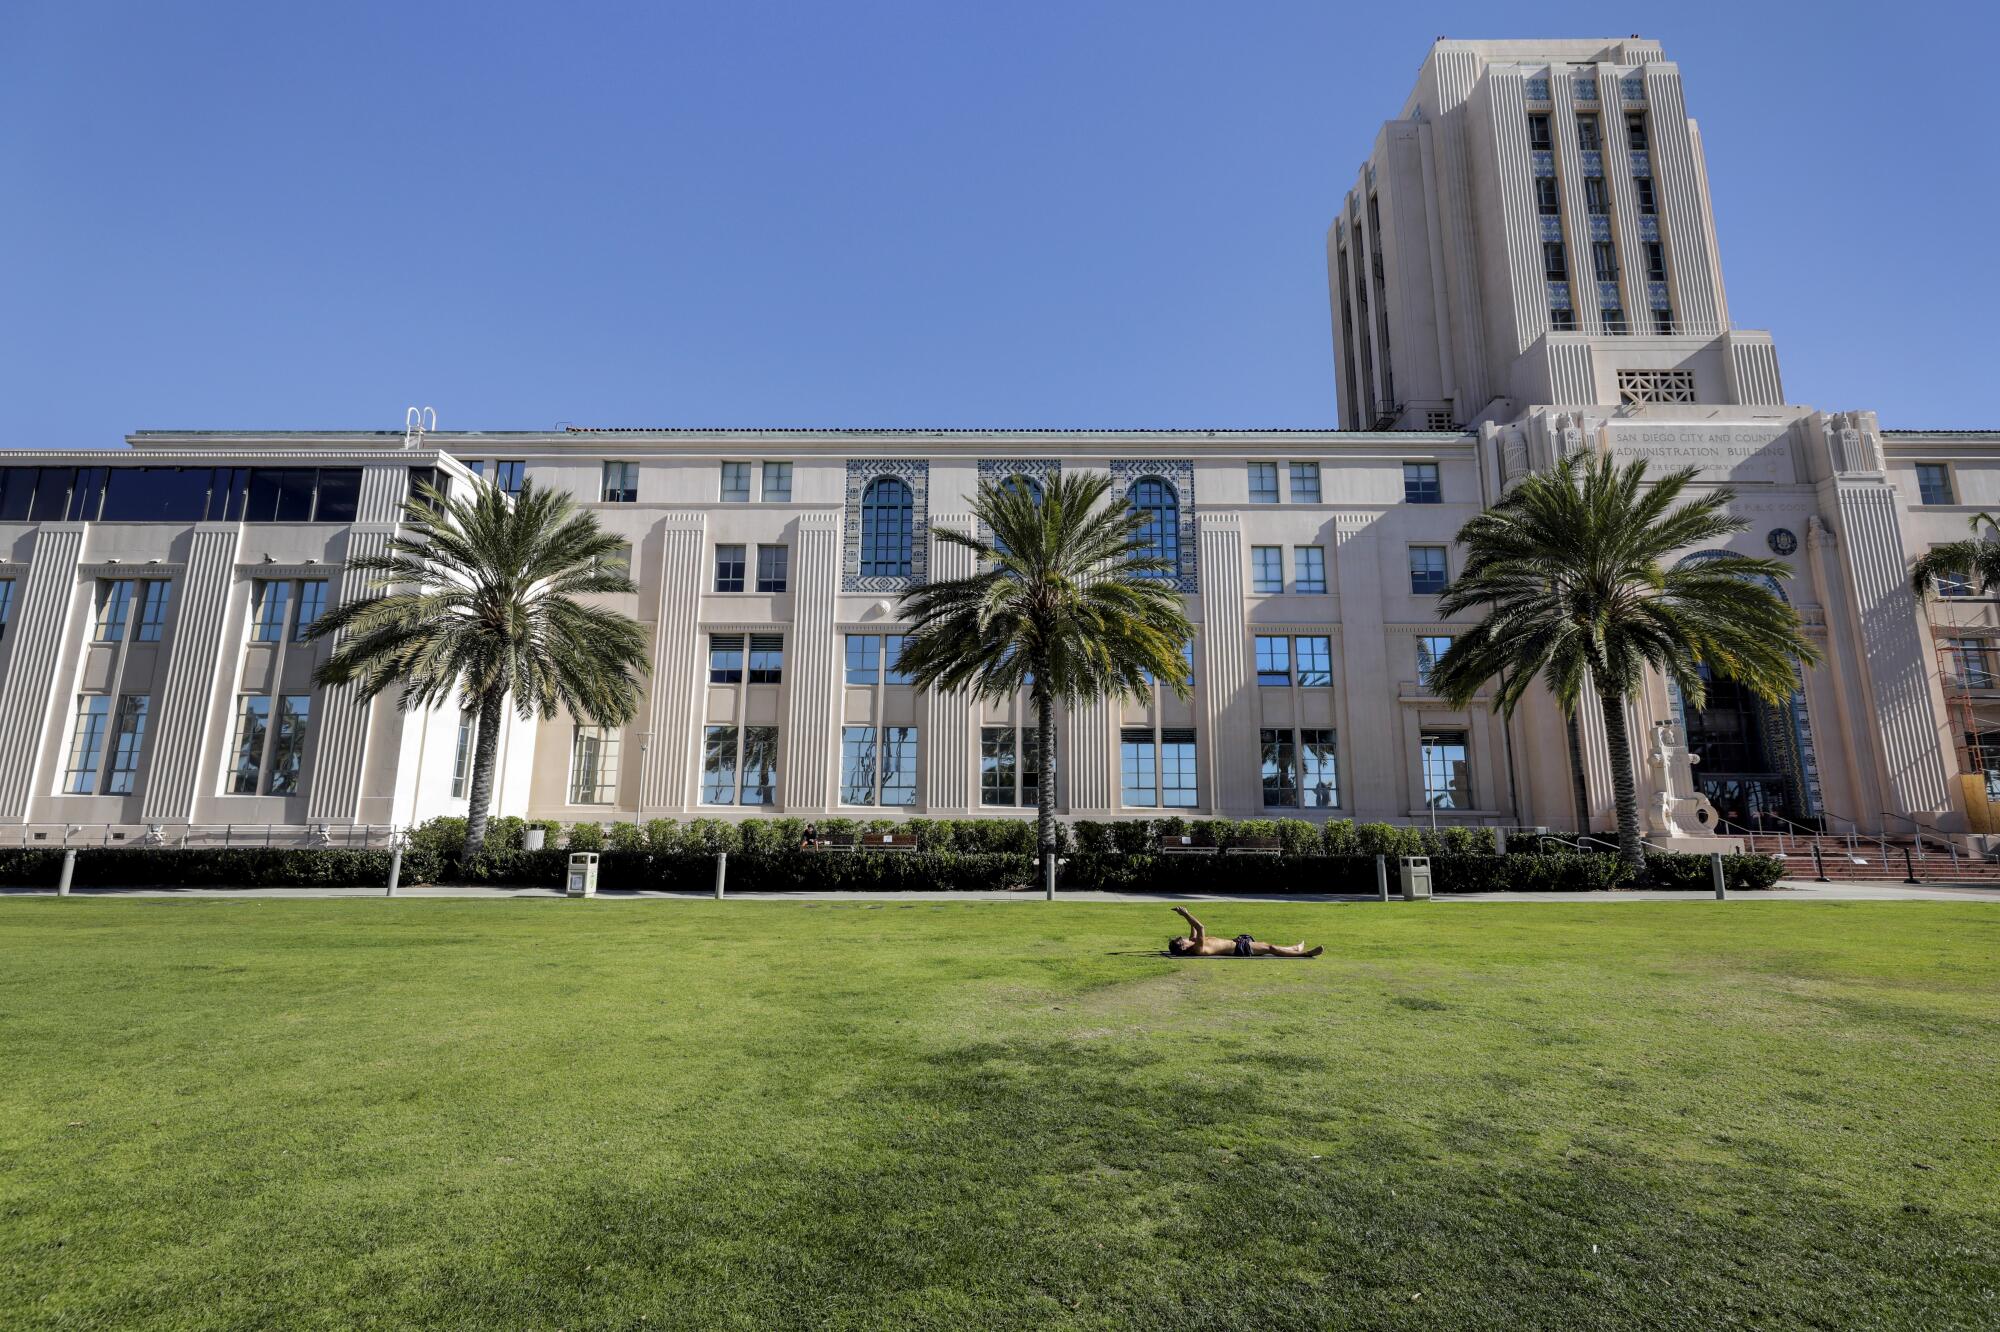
<point x="885" y="529"/>
<point x="1155" y="501"/>
<point x="1018" y="485"/>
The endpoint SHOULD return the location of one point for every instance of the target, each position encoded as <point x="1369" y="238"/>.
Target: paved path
<point x="1801" y="891"/>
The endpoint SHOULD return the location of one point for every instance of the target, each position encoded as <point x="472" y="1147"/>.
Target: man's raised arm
<point x="1195" y="925"/>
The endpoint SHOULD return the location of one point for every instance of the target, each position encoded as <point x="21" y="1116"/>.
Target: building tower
<point x="1535" y="230"/>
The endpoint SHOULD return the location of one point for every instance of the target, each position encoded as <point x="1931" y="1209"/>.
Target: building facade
<point x="1526" y="267"/>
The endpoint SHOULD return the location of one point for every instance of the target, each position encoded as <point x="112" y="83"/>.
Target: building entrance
<point x="1749" y="761"/>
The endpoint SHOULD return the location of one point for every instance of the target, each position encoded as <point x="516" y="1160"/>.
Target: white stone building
<point x="153" y="676"/>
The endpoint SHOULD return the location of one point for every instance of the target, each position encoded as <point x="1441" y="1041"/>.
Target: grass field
<point x="575" y="1115"/>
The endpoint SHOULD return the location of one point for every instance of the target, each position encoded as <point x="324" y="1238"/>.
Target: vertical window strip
<point x="114" y="605"/>
<point x="1179" y="780"/>
<point x="1319" y="769"/>
<point x="1138" y="779"/>
<point x="246" y="753"/>
<point x="857" y="765"/>
<point x="86" y="747"/>
<point x="899" y="765"/>
<point x="312" y="605"/>
<point x="289" y="746"/>
<point x="128" y="744"/>
<point x="1278" y="764"/>
<point x="461" y="758"/>
<point x="153" y="609"/>
<point x="593" y="765"/>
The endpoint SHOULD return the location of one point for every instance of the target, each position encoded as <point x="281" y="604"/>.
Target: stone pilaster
<point x="179" y="768"/>
<point x="666" y="779"/>
<point x="31" y="696"/>
<point x="948" y="734"/>
<point x="811" y="738"/>
<point x="339" y="743"/>
<point x="1224" y="684"/>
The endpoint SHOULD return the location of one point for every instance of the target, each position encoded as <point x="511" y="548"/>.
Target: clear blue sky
<point x="940" y="213"/>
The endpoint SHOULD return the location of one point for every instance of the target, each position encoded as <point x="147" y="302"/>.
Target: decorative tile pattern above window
<point x="1642" y="162"/>
<point x="1178" y="474"/>
<point x="1559" y="295"/>
<point x="1583" y="87"/>
<point x="1593" y="161"/>
<point x="1649" y="228"/>
<point x="1552" y="228"/>
<point x="1646" y="388"/>
<point x="861" y="473"/>
<point x="1656" y="296"/>
<point x="1600" y="227"/>
<point x="1608" y="297"/>
<point x="1632" y="88"/>
<point x="1535" y="90"/>
<point x="1545" y="162"/>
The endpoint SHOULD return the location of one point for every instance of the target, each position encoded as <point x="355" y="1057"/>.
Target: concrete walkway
<point x="1786" y="891"/>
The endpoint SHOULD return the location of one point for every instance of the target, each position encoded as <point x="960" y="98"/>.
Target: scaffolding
<point x="1966" y="641"/>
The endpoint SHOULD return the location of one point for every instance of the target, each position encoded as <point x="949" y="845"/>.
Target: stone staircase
<point x="1931" y="864"/>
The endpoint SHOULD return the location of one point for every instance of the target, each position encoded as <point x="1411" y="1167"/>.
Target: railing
<point x="361" y="836"/>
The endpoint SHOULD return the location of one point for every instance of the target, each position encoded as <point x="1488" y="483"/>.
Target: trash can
<point x="1416" y="872"/>
<point x="583" y="874"/>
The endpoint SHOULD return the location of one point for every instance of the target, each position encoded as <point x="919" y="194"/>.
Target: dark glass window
<point x="156" y="494"/>
<point x="1539" y="138"/>
<point x="1642" y="186"/>
<point x="1635" y="130"/>
<point x="1553" y="264"/>
<point x="886" y="527"/>
<point x="17" y="492"/>
<point x="1596" y="199"/>
<point x="1160" y="538"/>
<point x="88" y="496"/>
<point x="52" y="494"/>
<point x="228" y="495"/>
<point x="1586" y="134"/>
<point x="339" y="494"/>
<point x="1548" y="199"/>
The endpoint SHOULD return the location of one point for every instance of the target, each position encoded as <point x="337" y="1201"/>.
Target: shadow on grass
<point x="1030" y="1184"/>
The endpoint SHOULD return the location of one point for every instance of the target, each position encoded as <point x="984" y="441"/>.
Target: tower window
<point x="1635" y="131"/>
<point x="1553" y="263"/>
<point x="1547" y="200"/>
<point x="1539" y="138"/>
<point x="1596" y="199"/>
<point x="1586" y="134"/>
<point x="1642" y="188"/>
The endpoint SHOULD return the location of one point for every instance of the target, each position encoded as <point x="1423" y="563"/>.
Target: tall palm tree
<point x="1973" y="564"/>
<point x="476" y="601"/>
<point x="1571" y="571"/>
<point x="1068" y="602"/>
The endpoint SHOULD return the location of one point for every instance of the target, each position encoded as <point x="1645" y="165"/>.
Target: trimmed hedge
<point x="234" y="867"/>
<point x="1689" y="870"/>
<point x="767" y="872"/>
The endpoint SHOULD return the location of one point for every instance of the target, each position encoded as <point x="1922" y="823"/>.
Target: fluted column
<point x="339" y="742"/>
<point x="666" y="779"/>
<point x="179" y="762"/>
<point x="1227" y="695"/>
<point x="949" y="731"/>
<point x="806" y="773"/>
<point x="1676" y="178"/>
<point x="31" y="695"/>
<point x="1372" y="739"/>
<point x="1089" y="762"/>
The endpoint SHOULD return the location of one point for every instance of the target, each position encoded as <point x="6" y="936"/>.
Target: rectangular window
<point x="892" y="659"/>
<point x="857" y="765"/>
<point x="1554" y="266"/>
<point x="288" y="747"/>
<point x="271" y="596"/>
<point x="1596" y="199"/>
<point x="736" y="483"/>
<point x="1138" y="779"/>
<point x="777" y="483"/>
<point x="1587" y="140"/>
<point x="1267" y="569"/>
<point x="725" y="659"/>
<point x="1309" y="568"/>
<point x="1447" y="779"/>
<point x="128" y="743"/>
<point x="1421" y="484"/>
<point x="1427" y="570"/>
<point x="1319" y="770"/>
<point x="773" y="567"/>
<point x="899" y="765"/>
<point x="1430" y="651"/>
<point x="114" y="607"/>
<point x="864" y="652"/>
<point x="996" y="765"/>
<point x="246" y="754"/>
<point x="760" y="765"/>
<point x="729" y="568"/>
<point x="1955" y="583"/>
<point x="1179" y="782"/>
<point x="86" y="745"/>
<point x="1971" y="663"/>
<point x="1315" y="654"/>
<point x="1562" y="319"/>
<point x="1604" y="260"/>
<point x="1934" y="483"/>
<point x="593" y="766"/>
<point x="718" y="765"/>
<point x="312" y="605"/>
<point x="1635" y="131"/>
<point x="1642" y="190"/>
<point x="1274" y="660"/>
<point x="1539" y="138"/>
<point x="621" y="483"/>
<point x="461" y="759"/>
<point x="159" y="598"/>
<point x="1613" y="317"/>
<point x="767" y="659"/>
<point x="1656" y="262"/>
<point x="1305" y="483"/>
<point x="1263" y="483"/>
<point x="508" y="473"/>
<point x="1279" y="761"/>
<point x="6" y="604"/>
<point x="1663" y="320"/>
<point x="1548" y="198"/>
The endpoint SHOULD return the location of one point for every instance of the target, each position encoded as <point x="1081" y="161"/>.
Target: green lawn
<point x="338" y="1114"/>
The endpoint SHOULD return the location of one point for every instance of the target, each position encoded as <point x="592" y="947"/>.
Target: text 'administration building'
<point x="1526" y="266"/>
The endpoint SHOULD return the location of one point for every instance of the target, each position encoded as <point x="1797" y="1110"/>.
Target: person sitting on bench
<point x="1199" y="944"/>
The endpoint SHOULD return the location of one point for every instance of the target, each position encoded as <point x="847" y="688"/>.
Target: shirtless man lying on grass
<point x="1199" y="944"/>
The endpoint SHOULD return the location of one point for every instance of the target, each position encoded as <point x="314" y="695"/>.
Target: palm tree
<point x="1973" y="564"/>
<point x="1571" y="570"/>
<point x="1068" y="602"/>
<point x="476" y="601"/>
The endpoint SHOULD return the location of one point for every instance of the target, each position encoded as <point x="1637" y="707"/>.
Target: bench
<point x="887" y="842"/>
<point x="1181" y="846"/>
<point x="1255" y="846"/>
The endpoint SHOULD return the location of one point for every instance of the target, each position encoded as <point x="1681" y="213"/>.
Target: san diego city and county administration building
<point x="1525" y="266"/>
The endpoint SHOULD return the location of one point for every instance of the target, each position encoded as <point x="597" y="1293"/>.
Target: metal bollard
<point x="395" y="870"/>
<point x="68" y="869"/>
<point x="1499" y="841"/>
<point x="1382" y="877"/>
<point x="1049" y="875"/>
<point x="1909" y="871"/>
<point x="1715" y="874"/>
<point x="721" y="872"/>
<point x="1819" y="864"/>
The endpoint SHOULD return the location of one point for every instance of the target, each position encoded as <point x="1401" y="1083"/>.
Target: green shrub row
<point x="446" y="835"/>
<point x="249" y="867"/>
<point x="767" y="872"/>
<point x="1295" y="837"/>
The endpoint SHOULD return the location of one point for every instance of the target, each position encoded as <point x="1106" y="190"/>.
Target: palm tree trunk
<point x="485" y="748"/>
<point x="1045" y="788"/>
<point x="1579" y="784"/>
<point x="1623" y="793"/>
